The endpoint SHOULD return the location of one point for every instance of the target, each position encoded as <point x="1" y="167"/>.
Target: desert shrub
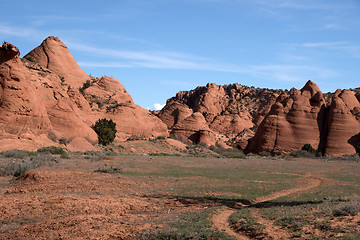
<point x="293" y="223"/>
<point x="86" y="85"/>
<point x="7" y="169"/>
<point x="302" y="154"/>
<point x="243" y="221"/>
<point x="307" y="147"/>
<point x="351" y="208"/>
<point x="106" y="131"/>
<point x="160" y="137"/>
<point x="17" y="168"/>
<point x="64" y="155"/>
<point x="346" y="157"/>
<point x="29" y="58"/>
<point x="63" y="141"/>
<point x="229" y="152"/>
<point x="43" y="159"/>
<point x="108" y="169"/>
<point x="16" y="154"/>
<point x="23" y="167"/>
<point x="52" y="150"/>
<point x="160" y="154"/>
<point x="94" y="156"/>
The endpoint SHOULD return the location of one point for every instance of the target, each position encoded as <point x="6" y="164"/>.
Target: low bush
<point x="228" y="152"/>
<point x="307" y="147"/>
<point x="52" y="150"/>
<point x="293" y="223"/>
<point x="17" y="168"/>
<point x="346" y="157"/>
<point x="86" y="85"/>
<point x="20" y="154"/>
<point x="108" y="169"/>
<point x="23" y="167"/>
<point x="43" y="159"/>
<point x="243" y="221"/>
<point x="94" y="156"/>
<point x="351" y="208"/>
<point x="31" y="59"/>
<point x="302" y="154"/>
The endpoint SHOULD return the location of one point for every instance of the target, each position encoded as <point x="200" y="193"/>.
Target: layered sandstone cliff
<point x="261" y="120"/>
<point x="46" y="97"/>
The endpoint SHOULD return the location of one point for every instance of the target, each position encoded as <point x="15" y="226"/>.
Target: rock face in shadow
<point x="46" y="97"/>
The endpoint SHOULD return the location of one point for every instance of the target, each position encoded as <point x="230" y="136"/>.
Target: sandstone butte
<point x="47" y="99"/>
<point x="267" y="120"/>
<point x="41" y="104"/>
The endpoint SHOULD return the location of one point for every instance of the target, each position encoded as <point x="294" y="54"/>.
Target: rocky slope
<point x="47" y="99"/>
<point x="260" y="120"/>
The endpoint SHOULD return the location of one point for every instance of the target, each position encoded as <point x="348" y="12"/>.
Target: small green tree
<point x="307" y="147"/>
<point x="106" y="130"/>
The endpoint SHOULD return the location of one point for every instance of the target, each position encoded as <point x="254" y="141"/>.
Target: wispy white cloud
<point x="151" y="59"/>
<point x="174" y="60"/>
<point x="290" y="73"/>
<point x="46" y="19"/>
<point x="347" y="47"/>
<point x="8" y="30"/>
<point x="333" y="26"/>
<point x="299" y="4"/>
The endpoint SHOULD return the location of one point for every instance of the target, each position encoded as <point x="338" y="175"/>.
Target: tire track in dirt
<point x="221" y="218"/>
<point x="221" y="222"/>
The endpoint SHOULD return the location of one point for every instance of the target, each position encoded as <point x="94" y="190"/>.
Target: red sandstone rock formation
<point x="343" y="127"/>
<point x="283" y="120"/>
<point x="297" y="118"/>
<point x="228" y="112"/>
<point x="303" y="117"/>
<point x="41" y="101"/>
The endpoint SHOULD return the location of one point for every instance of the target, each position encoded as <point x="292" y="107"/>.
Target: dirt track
<point x="221" y="218"/>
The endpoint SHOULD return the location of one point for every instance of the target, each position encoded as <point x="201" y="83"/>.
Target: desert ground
<point x="102" y="195"/>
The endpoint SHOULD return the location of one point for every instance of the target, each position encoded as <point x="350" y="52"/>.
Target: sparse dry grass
<point x="181" y="193"/>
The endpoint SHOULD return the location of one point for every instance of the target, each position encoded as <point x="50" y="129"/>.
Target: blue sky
<point x="159" y="47"/>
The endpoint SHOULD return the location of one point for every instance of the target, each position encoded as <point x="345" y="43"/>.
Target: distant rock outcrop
<point x="46" y="97"/>
<point x="263" y="120"/>
<point x="223" y="113"/>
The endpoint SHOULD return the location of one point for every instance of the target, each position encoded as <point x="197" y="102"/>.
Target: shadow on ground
<point x="236" y="203"/>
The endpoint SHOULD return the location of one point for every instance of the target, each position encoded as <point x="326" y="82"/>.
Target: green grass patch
<point x="194" y="225"/>
<point x="247" y="182"/>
